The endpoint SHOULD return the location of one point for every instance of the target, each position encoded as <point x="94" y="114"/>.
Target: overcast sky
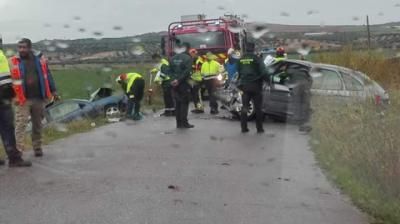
<point x="40" y="19"/>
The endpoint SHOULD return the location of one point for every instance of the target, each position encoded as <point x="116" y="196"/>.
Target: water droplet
<point x="62" y="45"/>
<point x="322" y="24"/>
<point x="381" y="14"/>
<point x="117" y="28"/>
<point x="137" y="50"/>
<point x="179" y="50"/>
<point x="60" y="127"/>
<point x="66" y="26"/>
<point x="51" y="48"/>
<point x="97" y="34"/>
<point x="93" y="124"/>
<point x="258" y="30"/>
<point x="136" y="40"/>
<point x="356" y="18"/>
<point x="285" y="14"/>
<point x="235" y="28"/>
<point x="47" y="43"/>
<point x="397" y="5"/>
<point x="202" y="28"/>
<point x="47" y="25"/>
<point x="271" y="36"/>
<point x="304" y="50"/>
<point x="106" y="69"/>
<point x="244" y="16"/>
<point x="77" y="18"/>
<point x="222" y="8"/>
<point x="312" y="12"/>
<point x="316" y="74"/>
<point x="82" y="30"/>
<point x="9" y="52"/>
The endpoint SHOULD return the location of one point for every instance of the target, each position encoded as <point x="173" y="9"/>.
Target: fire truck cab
<point x="206" y="35"/>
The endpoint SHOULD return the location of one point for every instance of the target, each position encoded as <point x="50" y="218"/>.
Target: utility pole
<point x="369" y="33"/>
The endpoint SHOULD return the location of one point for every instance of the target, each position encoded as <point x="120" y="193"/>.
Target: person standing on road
<point x="165" y="81"/>
<point x="231" y="63"/>
<point x="180" y="71"/>
<point x="34" y="85"/>
<point x="133" y="84"/>
<point x="251" y="77"/>
<point x="210" y="71"/>
<point x="7" y="128"/>
<point x="197" y="82"/>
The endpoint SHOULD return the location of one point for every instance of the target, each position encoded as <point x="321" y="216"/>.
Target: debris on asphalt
<point x="225" y="164"/>
<point x="173" y="187"/>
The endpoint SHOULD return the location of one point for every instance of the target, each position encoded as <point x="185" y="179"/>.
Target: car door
<point x="354" y="89"/>
<point x="276" y="96"/>
<point x="67" y="111"/>
<point x="327" y="82"/>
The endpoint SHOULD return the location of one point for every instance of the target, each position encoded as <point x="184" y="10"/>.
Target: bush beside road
<point x="358" y="144"/>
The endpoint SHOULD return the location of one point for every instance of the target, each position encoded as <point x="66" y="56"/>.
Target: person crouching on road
<point x="210" y="71"/>
<point x="7" y="129"/>
<point x="251" y="77"/>
<point x="34" y="85"/>
<point x="133" y="84"/>
<point x="164" y="80"/>
<point x="180" y="71"/>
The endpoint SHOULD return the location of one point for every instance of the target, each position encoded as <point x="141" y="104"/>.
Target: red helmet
<point x="280" y="51"/>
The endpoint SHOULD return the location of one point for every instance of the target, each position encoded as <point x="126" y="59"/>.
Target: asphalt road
<point x="149" y="173"/>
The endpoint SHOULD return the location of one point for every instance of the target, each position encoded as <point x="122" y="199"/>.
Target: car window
<point x="327" y="80"/>
<point x="351" y="83"/>
<point x="63" y="109"/>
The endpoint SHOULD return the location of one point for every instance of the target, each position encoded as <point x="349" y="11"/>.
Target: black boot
<point x="260" y="130"/>
<point x="245" y="130"/>
<point x="38" y="152"/>
<point x="186" y="126"/>
<point x="19" y="163"/>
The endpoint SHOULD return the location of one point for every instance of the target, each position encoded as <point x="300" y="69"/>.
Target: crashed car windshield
<point x="181" y="112"/>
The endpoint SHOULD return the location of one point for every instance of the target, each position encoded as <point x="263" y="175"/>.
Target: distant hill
<point x="140" y="47"/>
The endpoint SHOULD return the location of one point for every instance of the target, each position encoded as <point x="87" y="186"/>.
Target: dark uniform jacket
<point x="181" y="67"/>
<point x="250" y="69"/>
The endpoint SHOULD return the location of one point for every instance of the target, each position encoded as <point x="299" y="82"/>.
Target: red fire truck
<point x="206" y="35"/>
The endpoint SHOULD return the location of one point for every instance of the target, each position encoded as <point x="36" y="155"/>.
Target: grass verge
<point x="357" y="143"/>
<point x="60" y="131"/>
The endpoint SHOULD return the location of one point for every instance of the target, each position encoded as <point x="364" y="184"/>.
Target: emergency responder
<point x="304" y="81"/>
<point x="251" y="77"/>
<point x="280" y="54"/>
<point x="180" y="72"/>
<point x="164" y="80"/>
<point x="197" y="81"/>
<point x="133" y="84"/>
<point x="7" y="129"/>
<point x="231" y="63"/>
<point x="34" y="86"/>
<point x="210" y="71"/>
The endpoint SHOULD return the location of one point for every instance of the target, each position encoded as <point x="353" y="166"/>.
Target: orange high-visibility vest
<point x="18" y="82"/>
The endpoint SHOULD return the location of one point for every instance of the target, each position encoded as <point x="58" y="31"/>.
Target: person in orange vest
<point x="33" y="85"/>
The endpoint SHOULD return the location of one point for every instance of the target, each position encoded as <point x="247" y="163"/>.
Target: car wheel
<point x="112" y="113"/>
<point x="251" y="114"/>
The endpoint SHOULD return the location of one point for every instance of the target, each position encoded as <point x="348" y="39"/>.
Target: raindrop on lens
<point x="137" y="50"/>
<point x="66" y="26"/>
<point x="106" y="69"/>
<point x="117" y="28"/>
<point x="259" y="30"/>
<point x="93" y="124"/>
<point x="97" y="34"/>
<point x="356" y="18"/>
<point x="47" y="25"/>
<point x="47" y="43"/>
<point x="136" y="40"/>
<point x="61" y="127"/>
<point x="202" y="28"/>
<point x="77" y="18"/>
<point x="10" y="52"/>
<point x="235" y="28"/>
<point x="304" y="50"/>
<point x="285" y="14"/>
<point x="51" y="48"/>
<point x="82" y="30"/>
<point x="222" y="8"/>
<point x="62" y="45"/>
